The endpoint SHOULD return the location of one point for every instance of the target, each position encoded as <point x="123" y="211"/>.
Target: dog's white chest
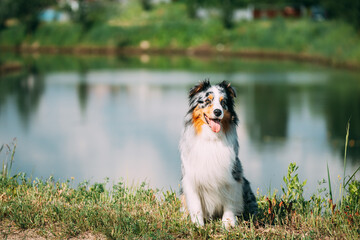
<point x="209" y="161"/>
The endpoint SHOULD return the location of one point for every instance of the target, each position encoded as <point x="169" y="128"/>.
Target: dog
<point x="213" y="184"/>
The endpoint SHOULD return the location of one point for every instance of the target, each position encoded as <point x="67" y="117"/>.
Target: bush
<point x="104" y="35"/>
<point x="57" y="34"/>
<point x="12" y="36"/>
<point x="91" y="13"/>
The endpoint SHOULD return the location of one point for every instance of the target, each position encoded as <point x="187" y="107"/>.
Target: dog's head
<point x="212" y="106"/>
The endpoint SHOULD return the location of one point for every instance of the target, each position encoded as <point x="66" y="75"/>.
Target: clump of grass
<point x="329" y="181"/>
<point x="8" y="159"/>
<point x="345" y="152"/>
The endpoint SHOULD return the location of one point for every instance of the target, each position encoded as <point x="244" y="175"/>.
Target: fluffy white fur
<point x="208" y="185"/>
<point x="208" y="159"/>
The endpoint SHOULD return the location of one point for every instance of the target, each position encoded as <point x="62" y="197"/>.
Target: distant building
<point x="258" y="11"/>
<point x="52" y="15"/>
<point x="244" y="13"/>
<point x="160" y="1"/>
<point x="239" y="14"/>
<point x="151" y="1"/>
<point x="272" y="11"/>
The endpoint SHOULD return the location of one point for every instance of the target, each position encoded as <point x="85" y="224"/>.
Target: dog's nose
<point x="217" y="112"/>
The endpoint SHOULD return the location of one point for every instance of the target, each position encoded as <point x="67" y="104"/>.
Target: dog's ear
<point x="200" y="87"/>
<point x="227" y="86"/>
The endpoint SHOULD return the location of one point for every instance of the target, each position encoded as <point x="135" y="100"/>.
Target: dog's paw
<point x="229" y="220"/>
<point x="198" y="219"/>
<point x="228" y="224"/>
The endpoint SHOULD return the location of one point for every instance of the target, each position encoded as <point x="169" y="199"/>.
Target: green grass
<point x="57" y="210"/>
<point x="167" y="26"/>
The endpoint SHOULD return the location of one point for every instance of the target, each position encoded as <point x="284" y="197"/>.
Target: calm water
<point x="121" y="118"/>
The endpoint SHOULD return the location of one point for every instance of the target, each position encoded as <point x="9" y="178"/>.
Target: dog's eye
<point x="223" y="103"/>
<point x="208" y="101"/>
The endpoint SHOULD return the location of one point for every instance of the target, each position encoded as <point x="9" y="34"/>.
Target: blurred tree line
<point x="91" y="12"/>
<point x="25" y="11"/>
<point x="347" y="10"/>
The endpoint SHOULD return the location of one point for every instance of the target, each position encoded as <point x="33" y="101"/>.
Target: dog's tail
<point x="250" y="204"/>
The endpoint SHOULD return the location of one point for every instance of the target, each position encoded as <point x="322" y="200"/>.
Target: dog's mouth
<point x="213" y="123"/>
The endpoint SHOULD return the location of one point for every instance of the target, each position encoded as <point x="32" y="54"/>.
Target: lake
<point x="91" y="118"/>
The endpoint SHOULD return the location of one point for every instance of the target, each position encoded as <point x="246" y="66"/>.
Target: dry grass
<point x="52" y="210"/>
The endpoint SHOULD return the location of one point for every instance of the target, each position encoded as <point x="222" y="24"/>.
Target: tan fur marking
<point x="226" y="121"/>
<point x="198" y="117"/>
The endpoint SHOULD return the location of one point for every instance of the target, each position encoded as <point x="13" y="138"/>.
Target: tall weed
<point x="8" y="158"/>
<point x="294" y="188"/>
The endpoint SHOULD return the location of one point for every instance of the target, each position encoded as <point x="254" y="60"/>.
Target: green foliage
<point x="13" y="36"/>
<point x="91" y="13"/>
<point x="294" y="188"/>
<point x="57" y="34"/>
<point x="101" y="35"/>
<point x="7" y="10"/>
<point x="317" y="202"/>
<point x="146" y="4"/>
<point x="345" y="151"/>
<point x="166" y="26"/>
<point x="348" y="10"/>
<point x="227" y="12"/>
<point x="353" y="197"/>
<point x="26" y="11"/>
<point x="191" y="8"/>
<point x="329" y="181"/>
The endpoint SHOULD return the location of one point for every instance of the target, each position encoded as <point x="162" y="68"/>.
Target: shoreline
<point x="10" y="67"/>
<point x="196" y="52"/>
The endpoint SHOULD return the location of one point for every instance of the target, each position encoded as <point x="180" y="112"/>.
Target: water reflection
<point x="268" y="116"/>
<point x="122" y="117"/>
<point x="25" y="92"/>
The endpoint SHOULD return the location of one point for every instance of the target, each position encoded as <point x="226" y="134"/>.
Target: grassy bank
<point x="167" y="27"/>
<point x="34" y="208"/>
<point x="56" y="210"/>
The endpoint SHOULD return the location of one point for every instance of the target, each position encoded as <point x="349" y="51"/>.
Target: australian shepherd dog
<point x="213" y="184"/>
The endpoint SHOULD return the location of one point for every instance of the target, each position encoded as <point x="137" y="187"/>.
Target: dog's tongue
<point x="214" y="125"/>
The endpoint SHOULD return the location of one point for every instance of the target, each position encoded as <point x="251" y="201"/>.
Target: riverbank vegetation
<point x="48" y="208"/>
<point x="168" y="27"/>
<point x="57" y="210"/>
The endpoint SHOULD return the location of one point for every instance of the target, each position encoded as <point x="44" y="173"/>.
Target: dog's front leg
<point x="193" y="204"/>
<point x="228" y="218"/>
